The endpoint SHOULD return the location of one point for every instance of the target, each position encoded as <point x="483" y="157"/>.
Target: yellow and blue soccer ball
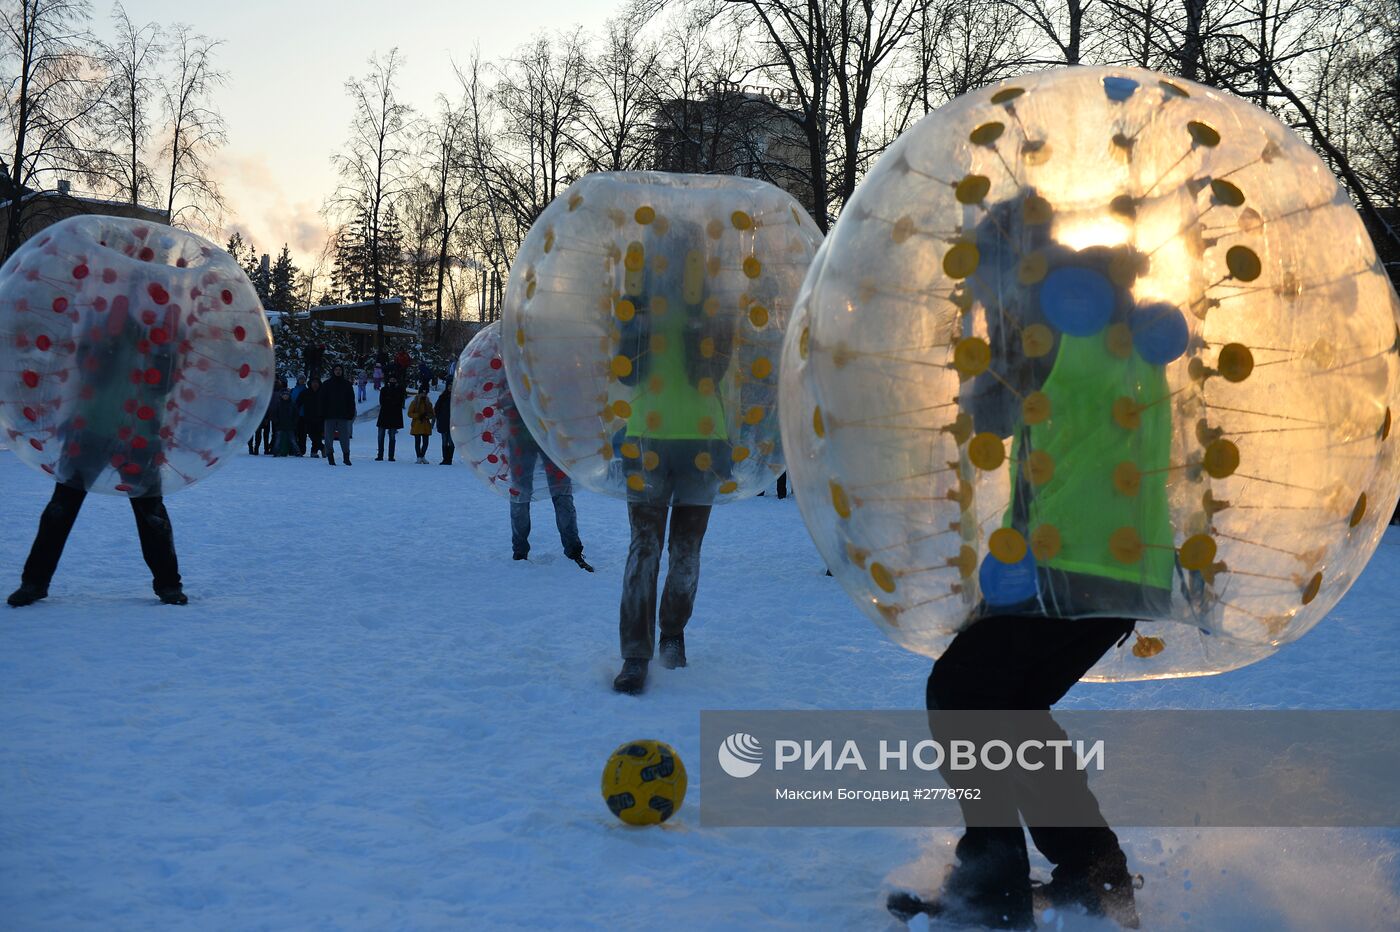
<point x="644" y="782"/>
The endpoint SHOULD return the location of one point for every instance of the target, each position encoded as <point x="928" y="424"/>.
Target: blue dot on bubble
<point x="1077" y="301"/>
<point x="1008" y="583"/>
<point x="1160" y="333"/>
<point x="1119" y="89"/>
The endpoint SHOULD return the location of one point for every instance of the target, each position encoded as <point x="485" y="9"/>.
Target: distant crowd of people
<point x="309" y="417"/>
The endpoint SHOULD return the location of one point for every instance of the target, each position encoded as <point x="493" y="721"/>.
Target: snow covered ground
<point x="370" y="717"/>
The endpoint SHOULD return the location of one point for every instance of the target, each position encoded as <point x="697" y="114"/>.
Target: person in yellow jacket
<point x="421" y="414"/>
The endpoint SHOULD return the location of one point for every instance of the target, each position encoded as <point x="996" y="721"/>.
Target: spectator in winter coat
<point x="401" y="362"/>
<point x="421" y="411"/>
<point x="284" y="422"/>
<point x="442" y="416"/>
<point x="314" y="354"/>
<point x="309" y="406"/>
<point x="390" y="414"/>
<point x="361" y="380"/>
<point x="262" y="434"/>
<point x="338" y="410"/>
<point x="425" y="377"/>
<point x="378" y="376"/>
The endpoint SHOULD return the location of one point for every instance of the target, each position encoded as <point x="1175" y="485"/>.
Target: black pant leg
<point x="637" y="615"/>
<point x="55" y="524"/>
<point x="688" y="524"/>
<point x="157" y="541"/>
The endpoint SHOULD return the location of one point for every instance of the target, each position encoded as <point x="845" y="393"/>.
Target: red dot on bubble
<point x="109" y="276"/>
<point x="239" y="334"/>
<point x="60" y="304"/>
<point x="244" y="370"/>
<point x="139" y="443"/>
<point x="143" y="346"/>
<point x="496" y="364"/>
<point x="36" y="444"/>
<point x="129" y="406"/>
<point x="99" y="303"/>
<point x="152" y="376"/>
<point x="145" y="412"/>
<point x="160" y="336"/>
<point x="146" y="254"/>
<point x="486" y="435"/>
<point x="43" y="342"/>
<point x="79" y="423"/>
<point x="492" y="458"/>
<point x="158" y="293"/>
<point x="229" y="435"/>
<point x="485" y="388"/>
<point x="80" y="272"/>
<point x="31" y="414"/>
<point x="122" y="487"/>
<point x="148" y="317"/>
<point x="131" y="469"/>
<point x="74" y="449"/>
<point x="245" y="404"/>
<point x="31" y="378"/>
<point x="226" y="296"/>
<point x="117" y="461"/>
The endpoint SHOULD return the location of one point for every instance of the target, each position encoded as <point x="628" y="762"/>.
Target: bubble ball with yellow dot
<point x="643" y="323"/>
<point x="1097" y="342"/>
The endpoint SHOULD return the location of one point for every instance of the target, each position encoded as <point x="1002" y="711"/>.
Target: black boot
<point x="632" y="678"/>
<point x="987" y="887"/>
<point x="27" y="594"/>
<point x="1104" y="889"/>
<point x="673" y="652"/>
<point x="172" y="596"/>
<point x="582" y="563"/>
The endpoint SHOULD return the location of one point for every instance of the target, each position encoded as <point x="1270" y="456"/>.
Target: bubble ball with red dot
<point x="487" y="428"/>
<point x="134" y="357"/>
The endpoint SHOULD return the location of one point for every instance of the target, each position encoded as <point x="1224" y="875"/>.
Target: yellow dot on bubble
<point x="644" y="215"/>
<point x="635" y="258"/>
<point x="636" y="483"/>
<point x="1221" y="460"/>
<point x="1007" y="94"/>
<point x="520" y="336"/>
<point x="758" y="316"/>
<point x="903" y="229"/>
<point x="1126" y="413"/>
<point x="1203" y="134"/>
<point x="962" y="260"/>
<point x="625" y="310"/>
<point x="965" y="561"/>
<point x="1236" y="362"/>
<point x="728" y="488"/>
<point x="739" y="454"/>
<point x="657" y="343"/>
<point x="1146" y="647"/>
<point x="621" y="367"/>
<point x="961" y="428"/>
<point x="650" y="460"/>
<point x="762" y="368"/>
<point x="752" y="267"/>
<point x="1173" y="89"/>
<point x="1032" y="268"/>
<point x="1226" y="193"/>
<point x="804" y="342"/>
<point x="986" y="134"/>
<point x="1035" y="408"/>
<point x="1385" y="425"/>
<point x="703" y="462"/>
<point x="715" y="229"/>
<point x="621" y="409"/>
<point x="1125" y="544"/>
<point x="1127" y="478"/>
<point x="1007" y="545"/>
<point x="660" y="263"/>
<point x="986" y="451"/>
<point x="575" y="202"/>
<point x="839" y="501"/>
<point x="711" y="306"/>
<point x="631" y="450"/>
<point x="1040" y="466"/>
<point x="1037" y="211"/>
<point x="712" y="266"/>
<point x="971" y="356"/>
<point x="1045" y="542"/>
<point x="1037" y="340"/>
<point x="706" y="425"/>
<point x="882" y="576"/>
<point x="653" y="420"/>
<point x="753" y="415"/>
<point x="1243" y="263"/>
<point x="706" y="386"/>
<point x="818" y="425"/>
<point x="655" y="384"/>
<point x="1118" y="339"/>
<point x="741" y="220"/>
<point x="707" y="347"/>
<point x="548" y="240"/>
<point x="1358" y="512"/>
<point x="1197" y="552"/>
<point x="1313" y="587"/>
<point x="972" y="189"/>
<point x="530" y="288"/>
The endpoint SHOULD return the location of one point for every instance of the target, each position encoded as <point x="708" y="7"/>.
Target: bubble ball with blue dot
<point x="1097" y="343"/>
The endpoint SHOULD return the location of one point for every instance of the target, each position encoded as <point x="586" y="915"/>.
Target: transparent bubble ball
<point x="134" y="357"/>
<point x="1097" y="343"/>
<point x="488" y="429"/>
<point x="643" y="323"/>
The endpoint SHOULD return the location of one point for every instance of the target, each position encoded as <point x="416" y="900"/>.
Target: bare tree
<point x="448" y="190"/>
<point x="132" y="61"/>
<point x="194" y="130"/>
<point x="615" y="121"/>
<point x="53" y="89"/>
<point x="374" y="166"/>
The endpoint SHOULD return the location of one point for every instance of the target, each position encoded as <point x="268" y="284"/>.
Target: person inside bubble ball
<point x="1076" y="381"/>
<point x="116" y="423"/>
<point x="674" y="448"/>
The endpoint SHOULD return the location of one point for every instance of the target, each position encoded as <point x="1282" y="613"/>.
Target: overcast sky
<point x="287" y="62"/>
